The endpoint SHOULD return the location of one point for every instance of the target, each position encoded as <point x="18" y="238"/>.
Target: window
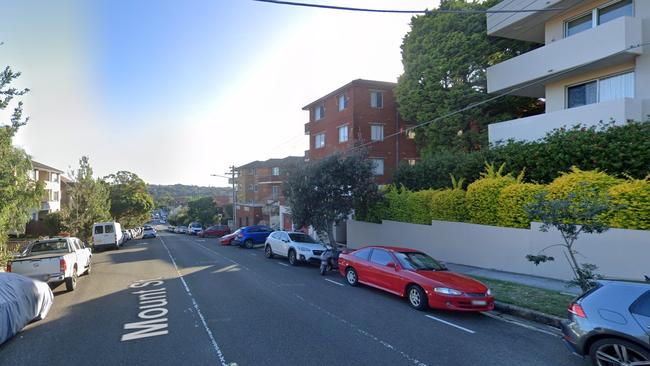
<point x="376" y="132"/>
<point x="599" y="16"/>
<point x="363" y="253"/>
<point x="319" y="141"/>
<point x="579" y="25"/>
<point x="343" y="101"/>
<point x="276" y="171"/>
<point x="252" y="171"/>
<point x="250" y="187"/>
<point x="602" y="90"/>
<point x="410" y="134"/>
<point x="343" y="134"/>
<point x="99" y="229"/>
<point x="642" y="305"/>
<point x="108" y="229"/>
<point x="55" y="177"/>
<point x="378" y="166"/>
<point x="376" y="99"/>
<point x="381" y="257"/>
<point x="301" y="238"/>
<point x="255" y="188"/>
<point x="319" y="111"/>
<point x="411" y="162"/>
<point x="55" y="196"/>
<point x="616" y="10"/>
<point x="275" y="192"/>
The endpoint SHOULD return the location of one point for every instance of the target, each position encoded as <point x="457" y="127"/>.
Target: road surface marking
<point x="451" y="324"/>
<point x="200" y="240"/>
<point x="253" y="254"/>
<point x="334" y="282"/>
<point x="512" y="321"/>
<point x="283" y="264"/>
<point x="152" y="304"/>
<point x="215" y="346"/>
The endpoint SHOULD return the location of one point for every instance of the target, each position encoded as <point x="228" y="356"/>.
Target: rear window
<point x="108" y="229"/>
<point x="99" y="229"/>
<point x="50" y="247"/>
<point x="362" y="254"/>
<point x="642" y="305"/>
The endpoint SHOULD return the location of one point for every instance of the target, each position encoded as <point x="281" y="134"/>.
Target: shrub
<point x="631" y="200"/>
<point x="584" y="184"/>
<point x="512" y="202"/>
<point x="448" y="205"/>
<point x="482" y="197"/>
<point x="397" y="203"/>
<point x="419" y="207"/>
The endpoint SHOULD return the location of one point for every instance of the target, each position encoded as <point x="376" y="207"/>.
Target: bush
<point x="448" y="205"/>
<point x="482" y="197"/>
<point x="397" y="200"/>
<point x="419" y="207"/>
<point x="512" y="202"/>
<point x="583" y="184"/>
<point x="631" y="200"/>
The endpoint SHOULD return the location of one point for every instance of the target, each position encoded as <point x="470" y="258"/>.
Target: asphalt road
<point x="205" y="304"/>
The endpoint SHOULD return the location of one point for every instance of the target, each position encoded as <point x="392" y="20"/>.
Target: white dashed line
<point x="215" y="346"/>
<point x="450" y="324"/>
<point x="511" y="321"/>
<point x="283" y="264"/>
<point x="334" y="282"/>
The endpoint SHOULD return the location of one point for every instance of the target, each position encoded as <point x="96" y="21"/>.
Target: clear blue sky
<point x="176" y="90"/>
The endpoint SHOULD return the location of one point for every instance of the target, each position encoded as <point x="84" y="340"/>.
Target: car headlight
<point x="303" y="249"/>
<point x="489" y="292"/>
<point x="447" y="291"/>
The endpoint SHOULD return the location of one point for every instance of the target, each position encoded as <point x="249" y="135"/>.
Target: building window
<point x="319" y="111"/>
<point x="620" y="9"/>
<point x="377" y="166"/>
<point x="376" y="132"/>
<point x="343" y="101"/>
<point x="55" y="196"/>
<point x="252" y="171"/>
<point x="250" y="187"/>
<point x="578" y="25"/>
<point x="377" y="99"/>
<point x="55" y="177"/>
<point x="602" y="90"/>
<point x="275" y="192"/>
<point x="275" y="171"/>
<point x="255" y="188"/>
<point x="410" y="134"/>
<point x="411" y="162"/>
<point x="343" y="134"/>
<point x="599" y="16"/>
<point x="319" y="141"/>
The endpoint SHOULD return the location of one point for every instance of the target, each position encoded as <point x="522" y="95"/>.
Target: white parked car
<point x="194" y="228"/>
<point x="107" y="234"/>
<point x="54" y="261"/>
<point x="297" y="246"/>
<point x="181" y="229"/>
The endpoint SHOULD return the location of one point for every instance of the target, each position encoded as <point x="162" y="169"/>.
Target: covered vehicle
<point x="22" y="300"/>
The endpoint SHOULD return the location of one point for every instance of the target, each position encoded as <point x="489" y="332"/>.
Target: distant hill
<point x="182" y="192"/>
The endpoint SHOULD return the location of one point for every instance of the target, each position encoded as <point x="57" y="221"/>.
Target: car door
<point x="273" y="242"/>
<point x="382" y="270"/>
<point x="285" y="243"/>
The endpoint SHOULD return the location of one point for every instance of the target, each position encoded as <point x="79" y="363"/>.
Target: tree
<point x="18" y="193"/>
<point x="131" y="203"/>
<point x="324" y="192"/>
<point x="203" y="210"/>
<point x="571" y="216"/>
<point x="89" y="202"/>
<point x="445" y="58"/>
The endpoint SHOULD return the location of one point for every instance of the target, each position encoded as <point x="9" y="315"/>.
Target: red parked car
<point x="214" y="231"/>
<point x="414" y="275"/>
<point x="227" y="239"/>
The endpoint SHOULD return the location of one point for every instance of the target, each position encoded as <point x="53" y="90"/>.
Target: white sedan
<point x="297" y="246"/>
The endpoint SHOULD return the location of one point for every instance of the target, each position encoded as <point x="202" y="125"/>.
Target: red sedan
<point x="227" y="239"/>
<point x="214" y="231"/>
<point x="416" y="276"/>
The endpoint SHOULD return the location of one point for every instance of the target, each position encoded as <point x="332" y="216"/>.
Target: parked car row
<point x="111" y="235"/>
<point x="195" y="228"/>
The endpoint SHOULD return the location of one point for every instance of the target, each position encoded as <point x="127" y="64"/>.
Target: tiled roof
<point x="375" y="83"/>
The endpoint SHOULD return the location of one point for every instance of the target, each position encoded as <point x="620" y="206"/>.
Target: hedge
<point x="581" y="183"/>
<point x="632" y="199"/>
<point x="419" y="206"/>
<point x="512" y="201"/>
<point x="482" y="196"/>
<point x="448" y="205"/>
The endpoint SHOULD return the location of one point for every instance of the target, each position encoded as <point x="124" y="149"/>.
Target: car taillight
<point x="577" y="310"/>
<point x="62" y="265"/>
<point x="8" y="266"/>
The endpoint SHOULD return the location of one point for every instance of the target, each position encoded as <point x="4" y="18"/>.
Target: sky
<point x="176" y="90"/>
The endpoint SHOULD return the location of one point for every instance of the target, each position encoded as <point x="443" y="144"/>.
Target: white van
<point x="107" y="234"/>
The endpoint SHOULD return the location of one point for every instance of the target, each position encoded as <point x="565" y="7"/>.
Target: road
<point x="204" y="304"/>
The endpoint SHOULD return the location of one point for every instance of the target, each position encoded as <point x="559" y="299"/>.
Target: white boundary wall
<point x="616" y="252"/>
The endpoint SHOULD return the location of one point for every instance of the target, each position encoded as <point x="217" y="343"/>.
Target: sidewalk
<point x="541" y="282"/>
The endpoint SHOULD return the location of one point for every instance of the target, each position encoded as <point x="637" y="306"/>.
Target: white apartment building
<point x="51" y="177"/>
<point x="593" y="65"/>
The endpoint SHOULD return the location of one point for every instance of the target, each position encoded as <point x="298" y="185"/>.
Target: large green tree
<point x="18" y="193"/>
<point x="131" y="203"/>
<point x="89" y="202"/>
<point x="326" y="191"/>
<point x="203" y="210"/>
<point x="445" y="58"/>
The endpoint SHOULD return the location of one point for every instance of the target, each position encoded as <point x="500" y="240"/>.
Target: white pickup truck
<point x="54" y="261"/>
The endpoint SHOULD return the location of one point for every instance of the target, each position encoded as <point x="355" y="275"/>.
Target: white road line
<point x="253" y="254"/>
<point x="215" y="346"/>
<point x="334" y="282"/>
<point x="451" y="324"/>
<point x="283" y="264"/>
<point x="511" y="321"/>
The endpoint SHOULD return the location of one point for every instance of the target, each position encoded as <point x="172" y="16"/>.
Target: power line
<point x="425" y="11"/>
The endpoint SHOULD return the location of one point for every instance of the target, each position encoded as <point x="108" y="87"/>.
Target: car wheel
<point x="351" y="276"/>
<point x="612" y="351"/>
<point x="417" y="297"/>
<point x="268" y="252"/>
<point x="71" y="282"/>
<point x="248" y="244"/>
<point x="293" y="260"/>
<point x="89" y="268"/>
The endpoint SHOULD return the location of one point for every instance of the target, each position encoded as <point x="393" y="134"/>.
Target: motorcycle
<point x="329" y="260"/>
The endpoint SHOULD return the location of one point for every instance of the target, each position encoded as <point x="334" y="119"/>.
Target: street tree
<point x="131" y="203"/>
<point x="18" y="193"/>
<point x="570" y="216"/>
<point x="203" y="210"/>
<point x="89" y="202"/>
<point x="325" y="192"/>
<point x="445" y="57"/>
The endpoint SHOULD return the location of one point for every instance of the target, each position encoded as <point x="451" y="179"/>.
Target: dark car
<point x="610" y="324"/>
<point x="250" y="236"/>
<point x="215" y="231"/>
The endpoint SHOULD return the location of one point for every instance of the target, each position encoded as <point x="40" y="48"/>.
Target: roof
<point x="42" y="166"/>
<point x="393" y="249"/>
<point x="270" y="163"/>
<point x="379" y="84"/>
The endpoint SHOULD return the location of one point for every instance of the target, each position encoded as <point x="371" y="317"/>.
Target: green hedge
<point x="633" y="200"/>
<point x="419" y="207"/>
<point x="482" y="198"/>
<point x="449" y="205"/>
<point x="581" y="183"/>
<point x="512" y="202"/>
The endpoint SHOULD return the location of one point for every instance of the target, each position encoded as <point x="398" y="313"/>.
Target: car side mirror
<point x="391" y="265"/>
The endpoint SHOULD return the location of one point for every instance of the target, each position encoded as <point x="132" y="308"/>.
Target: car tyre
<point x="268" y="252"/>
<point x="417" y="297"/>
<point x="293" y="259"/>
<point x="248" y="244"/>
<point x="89" y="268"/>
<point x="612" y="348"/>
<point x="71" y="282"/>
<point x="351" y="277"/>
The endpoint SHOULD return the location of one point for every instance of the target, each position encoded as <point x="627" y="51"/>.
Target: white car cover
<point x="22" y="300"/>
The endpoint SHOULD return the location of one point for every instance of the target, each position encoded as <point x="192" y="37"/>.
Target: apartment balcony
<point x="270" y="179"/>
<point x="536" y="127"/>
<point x="306" y="128"/>
<point x="605" y="45"/>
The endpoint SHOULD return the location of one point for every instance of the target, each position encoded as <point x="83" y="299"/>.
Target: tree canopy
<point x="445" y="58"/>
<point x="131" y="203"/>
<point x="203" y="210"/>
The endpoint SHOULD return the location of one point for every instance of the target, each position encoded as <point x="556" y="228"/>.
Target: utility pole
<point x="232" y="178"/>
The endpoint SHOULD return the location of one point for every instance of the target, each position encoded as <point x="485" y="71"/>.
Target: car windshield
<point x="418" y="261"/>
<point x="59" y="246"/>
<point x="301" y="238"/>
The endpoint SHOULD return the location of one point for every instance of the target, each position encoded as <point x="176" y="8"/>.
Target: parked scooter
<point x="329" y="260"/>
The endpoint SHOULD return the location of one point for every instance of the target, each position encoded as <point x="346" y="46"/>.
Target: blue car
<point x="250" y="236"/>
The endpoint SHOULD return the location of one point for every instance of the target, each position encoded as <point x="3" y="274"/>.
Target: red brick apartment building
<point x="362" y="111"/>
<point x="259" y="191"/>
